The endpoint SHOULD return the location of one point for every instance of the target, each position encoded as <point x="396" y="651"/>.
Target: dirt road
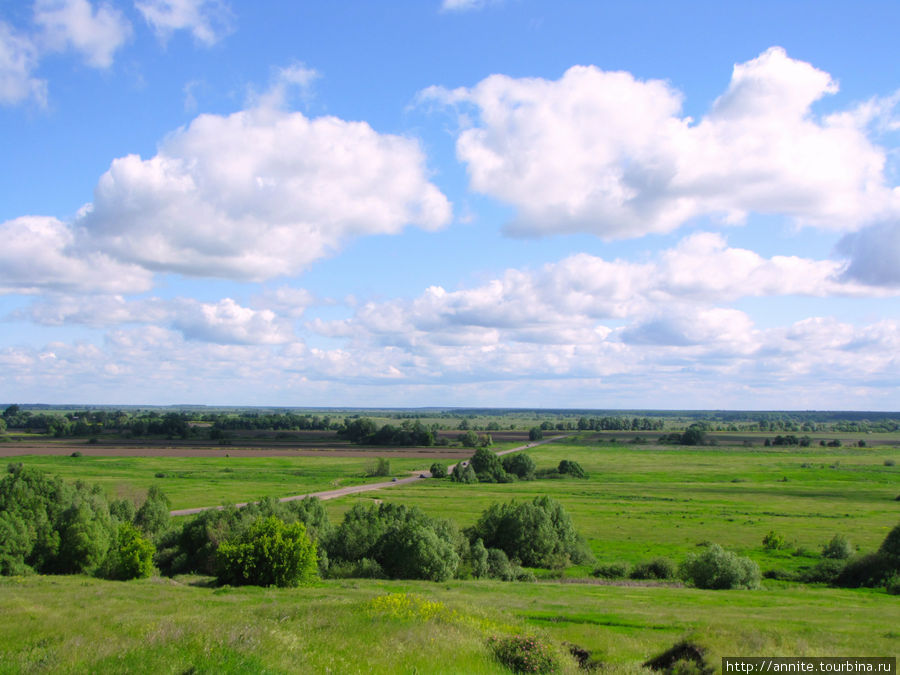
<point x="343" y="492"/>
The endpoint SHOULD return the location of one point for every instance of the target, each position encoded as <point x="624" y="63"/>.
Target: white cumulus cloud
<point x="76" y="24"/>
<point x="606" y="153"/>
<point x="18" y="59"/>
<point x="43" y="253"/>
<point x="260" y="193"/>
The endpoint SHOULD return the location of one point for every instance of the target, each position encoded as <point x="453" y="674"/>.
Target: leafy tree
<point x="130" y="556"/>
<point x="717" y="568"/>
<point x="463" y="474"/>
<point x="535" y="434"/>
<point x="478" y="559"/>
<point x="487" y="467"/>
<point x="468" y="439"/>
<point x="268" y="553"/>
<point x="153" y="515"/>
<point x="438" y="470"/>
<point x="413" y="550"/>
<point x="538" y="533"/>
<point x="519" y="464"/>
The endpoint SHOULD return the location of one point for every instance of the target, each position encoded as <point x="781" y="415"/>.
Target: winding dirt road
<point x="353" y="489"/>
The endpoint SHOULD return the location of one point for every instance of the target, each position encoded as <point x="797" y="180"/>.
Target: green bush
<point x="523" y="654"/>
<point x="463" y="474"/>
<point x="825" y="571"/>
<point x="774" y="541"/>
<point x="892" y="585"/>
<point x="130" y="557"/>
<point x="869" y="571"/>
<point x="520" y="465"/>
<point x="535" y="434"/>
<point x="717" y="568"/>
<point x="488" y="467"/>
<point x="838" y="548"/>
<point x="268" y="553"/>
<point x="538" y="533"/>
<point x="381" y="467"/>
<point x="616" y="570"/>
<point x="658" y="568"/>
<point x="402" y="540"/>
<point x="571" y="468"/>
<point x="153" y="515"/>
<point x="686" y="657"/>
<point x="438" y="470"/>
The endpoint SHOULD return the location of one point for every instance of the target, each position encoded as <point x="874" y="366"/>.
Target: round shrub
<point x="523" y="654"/>
<point x="717" y="568"/>
<point x="415" y="551"/>
<point x="268" y="553"/>
<point x="519" y="464"/>
<point x="838" y="548"/>
<point x="438" y="470"/>
<point x="571" y="468"/>
<point x="892" y="585"/>
<point x="825" y="571"/>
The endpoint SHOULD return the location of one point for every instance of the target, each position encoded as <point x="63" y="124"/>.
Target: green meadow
<point x="640" y="501"/>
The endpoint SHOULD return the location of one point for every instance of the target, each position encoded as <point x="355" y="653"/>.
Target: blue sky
<point x="450" y="202"/>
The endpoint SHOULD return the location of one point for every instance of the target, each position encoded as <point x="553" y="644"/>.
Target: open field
<point x="641" y="501"/>
<point x="160" y="625"/>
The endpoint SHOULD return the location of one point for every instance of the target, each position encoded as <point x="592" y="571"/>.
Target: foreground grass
<point x="79" y="624"/>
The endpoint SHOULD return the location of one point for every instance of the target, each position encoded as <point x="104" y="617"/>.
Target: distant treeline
<point x="196" y="422"/>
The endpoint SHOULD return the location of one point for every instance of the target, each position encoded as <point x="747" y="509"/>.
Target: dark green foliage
<point x="717" y="568"/>
<point x="130" y="556"/>
<point x="523" y="654"/>
<point x="535" y="434"/>
<point x="870" y="570"/>
<point x="192" y="548"/>
<point x="153" y="515"/>
<point x="892" y="585"/>
<point x="616" y="570"/>
<point x="826" y="571"/>
<point x="468" y="439"/>
<point x="414" y="550"/>
<point x="268" y="553"/>
<point x="538" y="533"/>
<point x="520" y="465"/>
<point x="487" y="467"/>
<point x="463" y="473"/>
<point x="478" y="560"/>
<point x="499" y="566"/>
<point x="658" y="568"/>
<point x="403" y="541"/>
<point x="49" y="526"/>
<point x="438" y="470"/>
<point x="838" y="548"/>
<point x="571" y="468"/>
<point x="364" y="568"/>
<point x="684" y="658"/>
<point x="891" y="544"/>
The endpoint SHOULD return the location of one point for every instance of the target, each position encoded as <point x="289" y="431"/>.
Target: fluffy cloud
<point x="260" y="193"/>
<point x="603" y="152"/>
<point x="75" y="24"/>
<point x="207" y="20"/>
<point x="41" y="253"/>
<point x="18" y="59"/>
<point x="223" y="322"/>
<point x="670" y="301"/>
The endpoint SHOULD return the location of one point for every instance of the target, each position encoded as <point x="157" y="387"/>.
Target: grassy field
<point x="205" y="481"/>
<point x="640" y="501"/>
<point x="161" y="625"/>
